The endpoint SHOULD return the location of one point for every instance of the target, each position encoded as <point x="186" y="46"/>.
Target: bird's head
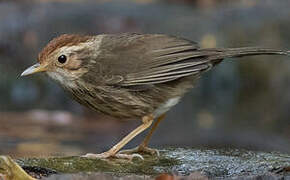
<point x="64" y="58"/>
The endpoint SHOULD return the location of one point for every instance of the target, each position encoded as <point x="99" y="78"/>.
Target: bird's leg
<point x="147" y="121"/>
<point x="143" y="147"/>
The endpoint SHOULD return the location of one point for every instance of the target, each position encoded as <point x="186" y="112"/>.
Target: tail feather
<point x="246" y="51"/>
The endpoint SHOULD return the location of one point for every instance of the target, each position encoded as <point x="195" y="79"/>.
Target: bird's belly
<point x="163" y="108"/>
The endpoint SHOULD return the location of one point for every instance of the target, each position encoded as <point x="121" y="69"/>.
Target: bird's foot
<point x="106" y="155"/>
<point x="141" y="149"/>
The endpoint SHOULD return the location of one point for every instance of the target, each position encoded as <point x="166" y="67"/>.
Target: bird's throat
<point x="62" y="80"/>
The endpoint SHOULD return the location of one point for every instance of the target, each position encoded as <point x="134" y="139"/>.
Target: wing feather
<point x="169" y="67"/>
<point x="142" y="59"/>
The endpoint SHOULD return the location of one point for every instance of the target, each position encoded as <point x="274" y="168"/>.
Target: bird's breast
<point x="113" y="102"/>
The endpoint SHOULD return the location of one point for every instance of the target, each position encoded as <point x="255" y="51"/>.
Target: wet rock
<point x="38" y="172"/>
<point x="180" y="162"/>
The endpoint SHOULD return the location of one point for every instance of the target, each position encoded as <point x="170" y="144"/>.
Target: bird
<point x="131" y="76"/>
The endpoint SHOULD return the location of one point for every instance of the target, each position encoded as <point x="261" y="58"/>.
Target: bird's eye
<point x="62" y="59"/>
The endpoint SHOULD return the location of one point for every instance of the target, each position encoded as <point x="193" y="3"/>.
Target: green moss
<point x="78" y="164"/>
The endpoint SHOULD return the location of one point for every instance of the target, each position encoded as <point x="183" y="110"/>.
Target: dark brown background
<point x="241" y="104"/>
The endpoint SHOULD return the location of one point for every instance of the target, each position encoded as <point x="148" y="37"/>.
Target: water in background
<point x="242" y="103"/>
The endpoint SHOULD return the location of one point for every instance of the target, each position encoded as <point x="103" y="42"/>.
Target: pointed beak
<point x="33" y="69"/>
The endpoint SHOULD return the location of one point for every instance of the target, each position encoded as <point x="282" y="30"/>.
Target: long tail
<point x="245" y="51"/>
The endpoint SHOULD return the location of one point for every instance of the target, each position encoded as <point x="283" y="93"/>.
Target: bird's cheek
<point x="73" y="64"/>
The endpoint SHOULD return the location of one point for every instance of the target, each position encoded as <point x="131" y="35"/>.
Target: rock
<point x="172" y="163"/>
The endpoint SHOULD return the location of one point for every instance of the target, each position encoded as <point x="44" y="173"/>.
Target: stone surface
<point x="181" y="162"/>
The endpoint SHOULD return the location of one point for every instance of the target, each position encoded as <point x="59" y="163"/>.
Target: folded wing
<point x="151" y="59"/>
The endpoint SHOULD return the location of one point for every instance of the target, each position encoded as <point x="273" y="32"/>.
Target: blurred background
<point x="242" y="103"/>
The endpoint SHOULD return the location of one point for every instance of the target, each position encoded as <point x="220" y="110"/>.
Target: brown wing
<point x="134" y="59"/>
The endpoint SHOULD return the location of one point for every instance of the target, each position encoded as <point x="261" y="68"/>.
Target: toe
<point x="118" y="156"/>
<point x="149" y="150"/>
<point x="152" y="152"/>
<point x="129" y="156"/>
<point x="96" y="156"/>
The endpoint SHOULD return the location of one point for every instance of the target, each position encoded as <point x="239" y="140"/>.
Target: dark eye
<point x="62" y="59"/>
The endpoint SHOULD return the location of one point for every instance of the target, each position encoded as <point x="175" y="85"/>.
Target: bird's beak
<point x="33" y="69"/>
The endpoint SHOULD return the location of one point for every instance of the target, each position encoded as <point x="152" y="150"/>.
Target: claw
<point x="155" y="151"/>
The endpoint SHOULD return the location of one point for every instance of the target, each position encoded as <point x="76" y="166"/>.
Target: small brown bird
<point x="130" y="76"/>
